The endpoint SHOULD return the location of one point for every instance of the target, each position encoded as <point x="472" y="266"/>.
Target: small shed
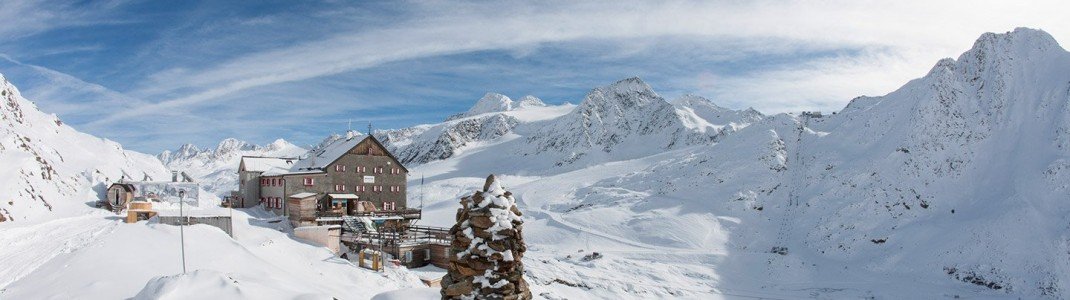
<point x="139" y="211"/>
<point x="118" y="195"/>
<point x="328" y="236"/>
<point x="302" y="209"/>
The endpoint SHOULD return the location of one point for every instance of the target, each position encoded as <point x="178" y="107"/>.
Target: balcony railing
<point x="406" y="213"/>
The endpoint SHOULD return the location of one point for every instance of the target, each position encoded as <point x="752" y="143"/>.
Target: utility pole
<point x="181" y="232"/>
<point x="231" y="219"/>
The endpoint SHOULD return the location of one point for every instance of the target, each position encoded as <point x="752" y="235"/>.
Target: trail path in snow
<point x="27" y="248"/>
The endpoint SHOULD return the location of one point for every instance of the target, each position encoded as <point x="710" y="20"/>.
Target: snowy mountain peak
<point x="625" y="95"/>
<point x="691" y="100"/>
<point x="630" y="85"/>
<point x="1020" y="38"/>
<point x="215" y="168"/>
<point x="491" y="102"/>
<point x="496" y="103"/>
<point x="529" y="101"/>
<point x="280" y="144"/>
<point x="231" y="144"/>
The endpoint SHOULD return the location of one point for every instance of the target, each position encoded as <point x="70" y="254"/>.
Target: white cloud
<point x="881" y="45"/>
<point x="910" y="35"/>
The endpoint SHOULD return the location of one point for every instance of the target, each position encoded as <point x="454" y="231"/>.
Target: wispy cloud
<point x="246" y="69"/>
<point x="519" y="27"/>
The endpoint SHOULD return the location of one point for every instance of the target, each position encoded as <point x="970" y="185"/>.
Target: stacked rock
<point x="487" y="247"/>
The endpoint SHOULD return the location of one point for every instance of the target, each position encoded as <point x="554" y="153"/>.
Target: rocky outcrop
<point x="487" y="248"/>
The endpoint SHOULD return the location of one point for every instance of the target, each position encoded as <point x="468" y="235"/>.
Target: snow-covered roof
<point x="323" y="157"/>
<point x="343" y="196"/>
<point x="318" y="160"/>
<point x="266" y="164"/>
<point x="302" y="195"/>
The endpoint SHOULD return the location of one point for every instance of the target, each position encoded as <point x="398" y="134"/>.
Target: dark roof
<point x="129" y="188"/>
<point x="335" y="151"/>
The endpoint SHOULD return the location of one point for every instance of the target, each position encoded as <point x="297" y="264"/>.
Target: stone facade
<point x="366" y="170"/>
<point x="486" y="255"/>
<point x="248" y="189"/>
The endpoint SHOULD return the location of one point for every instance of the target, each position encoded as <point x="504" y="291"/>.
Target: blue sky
<point x="157" y="74"/>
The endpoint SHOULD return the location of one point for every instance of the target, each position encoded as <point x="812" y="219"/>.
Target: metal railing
<point x="406" y="213"/>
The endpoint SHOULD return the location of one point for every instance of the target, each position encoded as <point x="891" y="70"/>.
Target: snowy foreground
<point x="99" y="257"/>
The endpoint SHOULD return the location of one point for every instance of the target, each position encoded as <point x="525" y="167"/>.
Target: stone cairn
<point x="487" y="247"/>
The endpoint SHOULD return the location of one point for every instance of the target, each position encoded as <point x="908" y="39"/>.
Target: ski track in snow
<point x="27" y="248"/>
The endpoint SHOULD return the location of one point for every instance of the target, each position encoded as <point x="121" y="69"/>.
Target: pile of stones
<point x="487" y="248"/>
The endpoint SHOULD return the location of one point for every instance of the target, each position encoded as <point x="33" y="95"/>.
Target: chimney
<point x="174" y="176"/>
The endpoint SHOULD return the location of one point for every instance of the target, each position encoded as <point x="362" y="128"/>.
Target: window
<point x="361" y="169"/>
<point x="339" y="168"/>
<point x="309" y="181"/>
<point x="360" y="188"/>
<point x="408" y="256"/>
<point x="377" y="188"/>
<point x="339" y="188"/>
<point x="388" y="205"/>
<point x="378" y="170"/>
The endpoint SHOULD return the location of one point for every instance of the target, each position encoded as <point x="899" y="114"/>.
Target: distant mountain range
<point x="958" y="179"/>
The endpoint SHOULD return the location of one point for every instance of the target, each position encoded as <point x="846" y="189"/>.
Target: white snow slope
<point x="954" y="185"/>
<point x="50" y="170"/>
<point x="216" y="169"/>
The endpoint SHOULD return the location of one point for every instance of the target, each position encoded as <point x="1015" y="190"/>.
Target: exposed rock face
<point x="487" y="248"/>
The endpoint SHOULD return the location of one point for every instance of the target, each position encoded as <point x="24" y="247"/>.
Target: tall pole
<point x="181" y="232"/>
